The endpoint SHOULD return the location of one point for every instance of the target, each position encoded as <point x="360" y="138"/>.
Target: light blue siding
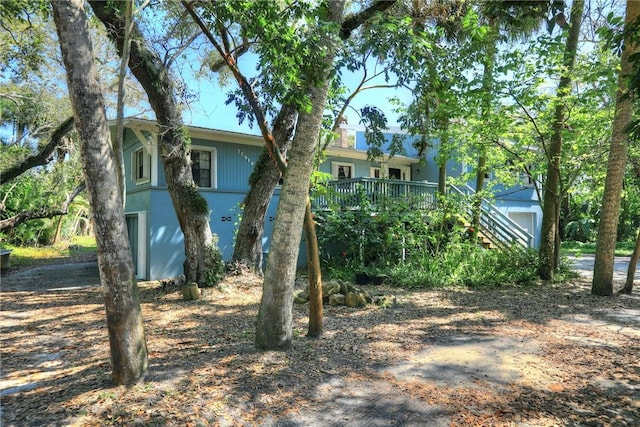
<point x="166" y="241"/>
<point x="166" y="249"/>
<point x="234" y="164"/>
<point x="514" y="206"/>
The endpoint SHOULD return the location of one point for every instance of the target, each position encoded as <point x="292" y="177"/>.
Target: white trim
<point x="335" y="166"/>
<point x="147" y="141"/>
<point x="214" y="164"/>
<point x="141" y="267"/>
<point x="141" y="271"/>
<point x="154" y="162"/>
<point x="146" y="165"/>
<point x="150" y="144"/>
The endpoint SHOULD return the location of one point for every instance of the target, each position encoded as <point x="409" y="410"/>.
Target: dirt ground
<point x="549" y="355"/>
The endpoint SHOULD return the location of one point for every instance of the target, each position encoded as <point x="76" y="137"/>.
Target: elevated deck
<point x="348" y="193"/>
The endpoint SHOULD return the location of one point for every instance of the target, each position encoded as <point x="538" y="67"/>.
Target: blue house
<point x="222" y="163"/>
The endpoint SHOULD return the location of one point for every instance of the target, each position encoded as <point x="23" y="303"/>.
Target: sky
<point x="210" y="111"/>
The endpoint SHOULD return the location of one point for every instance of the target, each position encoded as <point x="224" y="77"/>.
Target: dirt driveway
<point x="540" y="356"/>
<point x="53" y="277"/>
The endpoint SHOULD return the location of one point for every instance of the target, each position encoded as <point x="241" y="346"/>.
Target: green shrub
<point x="415" y="248"/>
<point x="215" y="272"/>
<point x="466" y="264"/>
<point x="386" y="234"/>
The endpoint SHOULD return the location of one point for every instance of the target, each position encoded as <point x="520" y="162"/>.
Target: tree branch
<point x="246" y="88"/>
<point x="41" y="158"/>
<point x="24" y="216"/>
<point x="355" y="20"/>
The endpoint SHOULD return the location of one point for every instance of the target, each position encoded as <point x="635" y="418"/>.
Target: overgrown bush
<point x="383" y="235"/>
<point x="416" y="248"/>
<point x="467" y="264"/>
<point x="215" y="272"/>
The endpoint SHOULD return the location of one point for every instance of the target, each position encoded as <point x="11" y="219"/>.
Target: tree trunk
<point x="631" y="271"/>
<point x="610" y="213"/>
<point x="118" y="141"/>
<point x="315" y="275"/>
<point x="263" y="181"/>
<point x="550" y="208"/>
<point x="56" y="238"/>
<point x="129" y="357"/>
<point x="481" y="169"/>
<point x="274" y="325"/>
<point x="487" y="89"/>
<point x="191" y="208"/>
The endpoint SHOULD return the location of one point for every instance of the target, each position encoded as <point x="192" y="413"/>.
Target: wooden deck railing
<point x="352" y="193"/>
<point x="495" y="225"/>
<point x="347" y="193"/>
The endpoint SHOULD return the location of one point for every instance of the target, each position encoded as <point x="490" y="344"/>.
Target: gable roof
<point x="248" y="139"/>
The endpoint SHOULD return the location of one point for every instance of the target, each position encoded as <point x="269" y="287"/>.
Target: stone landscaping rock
<point x="301" y="297"/>
<point x="340" y="292"/>
<point x="191" y="292"/>
<point x="330" y="288"/>
<point x="355" y="300"/>
<point x="336" y="299"/>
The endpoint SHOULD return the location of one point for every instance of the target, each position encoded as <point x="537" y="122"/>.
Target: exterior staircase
<point x="497" y="230"/>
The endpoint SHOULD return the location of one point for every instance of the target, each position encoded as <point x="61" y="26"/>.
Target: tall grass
<point x="466" y="264"/>
<point x="33" y="256"/>
<point x="583" y="248"/>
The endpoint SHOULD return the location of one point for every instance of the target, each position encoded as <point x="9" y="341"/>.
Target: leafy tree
<point x="274" y="327"/>
<point x="230" y="28"/>
<point x="550" y="244"/>
<point x="585" y="129"/>
<point x="129" y="357"/>
<point x="279" y="85"/>
<point x="284" y="127"/>
<point x="607" y="229"/>
<point x="40" y="165"/>
<point x="23" y="37"/>
<point x="153" y="73"/>
<point x="501" y="21"/>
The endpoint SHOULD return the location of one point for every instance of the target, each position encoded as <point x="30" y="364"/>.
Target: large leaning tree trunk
<point x="129" y="359"/>
<point x="274" y="327"/>
<point x="552" y="197"/>
<point x="610" y="212"/>
<point x="263" y="181"/>
<point x="191" y="208"/>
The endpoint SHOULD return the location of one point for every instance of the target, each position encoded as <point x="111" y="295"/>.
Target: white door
<point x="526" y="220"/>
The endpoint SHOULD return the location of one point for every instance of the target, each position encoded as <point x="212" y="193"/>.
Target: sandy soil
<point x="541" y="356"/>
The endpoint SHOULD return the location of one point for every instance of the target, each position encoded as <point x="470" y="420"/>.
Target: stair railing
<point x="495" y="225"/>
